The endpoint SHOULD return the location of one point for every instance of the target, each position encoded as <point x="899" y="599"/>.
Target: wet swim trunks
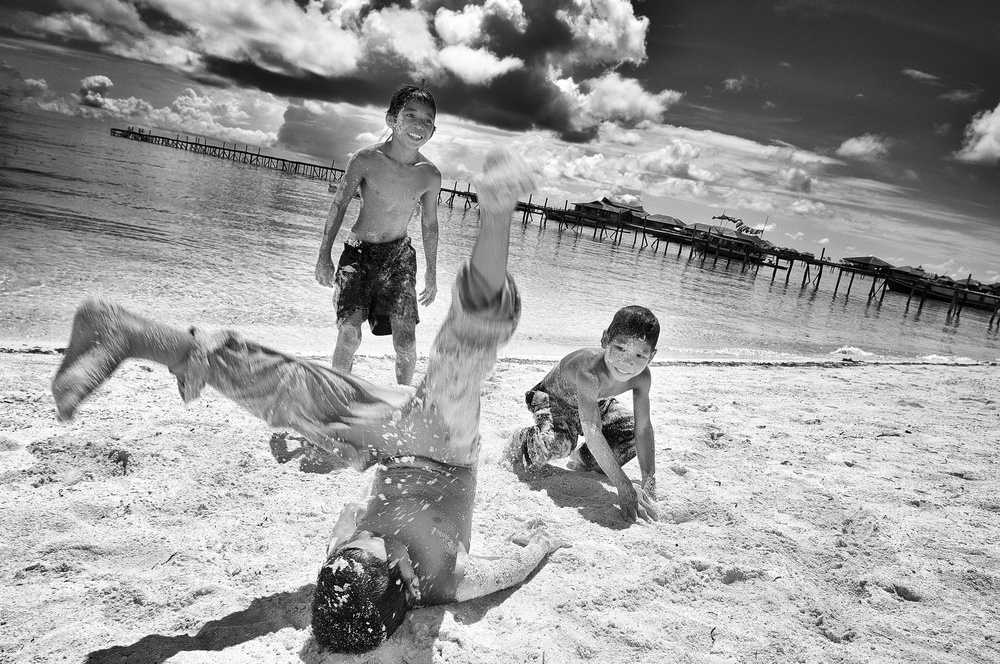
<point x="558" y="428"/>
<point x="380" y="279"/>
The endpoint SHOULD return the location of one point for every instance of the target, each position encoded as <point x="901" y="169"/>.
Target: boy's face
<point x="413" y="126"/>
<point x="626" y="356"/>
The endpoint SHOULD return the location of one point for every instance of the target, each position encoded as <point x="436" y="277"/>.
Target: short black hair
<point x="635" y="321"/>
<point x="404" y="94"/>
<point x="359" y="602"/>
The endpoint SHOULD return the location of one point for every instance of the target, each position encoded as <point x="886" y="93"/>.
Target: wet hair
<point x="406" y="93"/>
<point x="359" y="602"/>
<point x="637" y="322"/>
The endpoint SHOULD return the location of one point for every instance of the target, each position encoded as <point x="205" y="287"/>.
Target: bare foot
<point x="96" y="348"/>
<point x="505" y="177"/>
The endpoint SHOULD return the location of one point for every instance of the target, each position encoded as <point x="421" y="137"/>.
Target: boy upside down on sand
<point x="409" y="544"/>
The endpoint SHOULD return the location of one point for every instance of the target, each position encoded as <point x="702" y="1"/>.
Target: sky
<point x="841" y="128"/>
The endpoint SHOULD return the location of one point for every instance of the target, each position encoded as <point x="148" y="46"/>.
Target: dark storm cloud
<point x="160" y="21"/>
<point x="327" y="136"/>
<point x="512" y="65"/>
<point x="369" y="90"/>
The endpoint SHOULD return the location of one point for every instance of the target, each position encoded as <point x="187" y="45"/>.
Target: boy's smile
<point x="413" y="125"/>
<point x="626" y="357"/>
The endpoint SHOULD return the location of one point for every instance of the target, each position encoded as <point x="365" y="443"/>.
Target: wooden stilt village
<point x="709" y="244"/>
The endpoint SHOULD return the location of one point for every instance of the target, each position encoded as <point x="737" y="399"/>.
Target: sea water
<point x="192" y="239"/>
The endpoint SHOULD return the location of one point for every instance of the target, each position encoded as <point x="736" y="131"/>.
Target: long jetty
<point x="701" y="245"/>
<point x="232" y="152"/>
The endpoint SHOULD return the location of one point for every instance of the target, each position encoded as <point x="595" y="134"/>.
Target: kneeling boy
<point x="577" y="397"/>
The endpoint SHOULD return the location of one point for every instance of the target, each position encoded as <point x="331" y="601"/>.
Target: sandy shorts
<point x="379" y="279"/>
<point x="557" y="430"/>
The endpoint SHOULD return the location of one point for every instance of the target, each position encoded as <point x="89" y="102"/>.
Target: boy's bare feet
<point x="505" y="177"/>
<point x="96" y="348"/>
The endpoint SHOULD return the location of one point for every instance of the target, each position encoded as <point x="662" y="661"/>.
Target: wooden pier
<point x="701" y="246"/>
<point x="242" y="155"/>
<point x="709" y="248"/>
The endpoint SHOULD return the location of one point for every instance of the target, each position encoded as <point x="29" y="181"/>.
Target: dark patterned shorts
<point x="379" y="279"/>
<point x="557" y="430"/>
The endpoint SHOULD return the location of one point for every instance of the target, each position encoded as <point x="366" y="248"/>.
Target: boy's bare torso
<point x="428" y="505"/>
<point x="390" y="191"/>
<point x="563" y="380"/>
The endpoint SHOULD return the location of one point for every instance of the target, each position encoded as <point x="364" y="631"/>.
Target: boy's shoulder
<point x="581" y="356"/>
<point x="367" y="156"/>
<point x="426" y="164"/>
<point x="578" y="364"/>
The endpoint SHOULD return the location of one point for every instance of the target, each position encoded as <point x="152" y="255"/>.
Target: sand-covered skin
<point x="831" y="513"/>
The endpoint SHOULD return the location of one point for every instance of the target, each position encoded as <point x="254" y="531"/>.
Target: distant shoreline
<point x="537" y="359"/>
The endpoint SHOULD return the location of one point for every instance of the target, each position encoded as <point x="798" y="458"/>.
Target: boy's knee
<point x="404" y="341"/>
<point x="349" y="334"/>
<point x="542" y="445"/>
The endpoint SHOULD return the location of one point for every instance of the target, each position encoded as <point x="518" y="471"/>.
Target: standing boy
<point x="409" y="543"/>
<point x="376" y="277"/>
<point x="576" y="397"/>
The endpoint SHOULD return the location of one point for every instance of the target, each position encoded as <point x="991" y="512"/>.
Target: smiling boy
<point x="376" y="276"/>
<point x="576" y="397"/>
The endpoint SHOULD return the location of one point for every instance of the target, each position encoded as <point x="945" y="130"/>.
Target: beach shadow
<point x="585" y="491"/>
<point x="265" y="615"/>
<point x="416" y="642"/>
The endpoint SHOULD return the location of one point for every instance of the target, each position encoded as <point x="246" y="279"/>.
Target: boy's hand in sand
<point x="542" y="536"/>
<point x="635" y="504"/>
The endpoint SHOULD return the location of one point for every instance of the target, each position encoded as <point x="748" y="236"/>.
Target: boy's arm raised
<point x="429" y="233"/>
<point x="326" y="271"/>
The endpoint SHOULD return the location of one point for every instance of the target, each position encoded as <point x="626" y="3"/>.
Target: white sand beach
<point x="840" y="512"/>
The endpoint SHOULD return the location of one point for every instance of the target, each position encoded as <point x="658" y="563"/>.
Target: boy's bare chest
<point x="393" y="183"/>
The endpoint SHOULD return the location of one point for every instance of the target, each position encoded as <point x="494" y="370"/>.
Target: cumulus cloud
<point x="612" y="98"/>
<point x="611" y="133"/>
<point x="191" y="112"/>
<point x="498" y="62"/>
<point x="869" y="147"/>
<point x="605" y="31"/>
<point x="796" y="179"/>
<point x="35" y="87"/>
<point x="13" y="86"/>
<point x="981" y="143"/>
<point x="466" y="26"/>
<point x="806" y="207"/>
<point x="93" y="89"/>
<point x="676" y="160"/>
<point x="476" y="66"/>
